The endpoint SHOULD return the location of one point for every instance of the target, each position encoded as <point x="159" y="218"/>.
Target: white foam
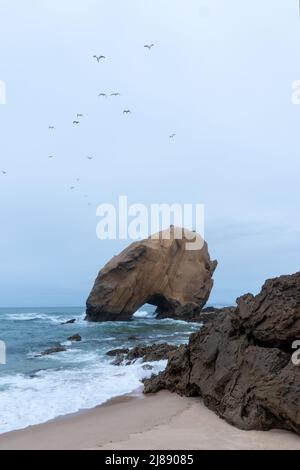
<point x="50" y="317"/>
<point x="144" y="314"/>
<point x="27" y="401"/>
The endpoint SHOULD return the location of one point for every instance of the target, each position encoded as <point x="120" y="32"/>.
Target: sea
<point x="35" y="389"/>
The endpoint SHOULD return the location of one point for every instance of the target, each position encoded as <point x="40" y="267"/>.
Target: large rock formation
<point x="241" y="362"/>
<point x="159" y="271"/>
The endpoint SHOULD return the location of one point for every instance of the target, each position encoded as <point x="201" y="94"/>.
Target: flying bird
<point x="51" y="156"/>
<point x="99" y="57"/>
<point x="172" y="136"/>
<point x="51" y="127"/>
<point x="72" y="187"/>
<point x="89" y="158"/>
<point x="3" y="172"/>
<point x="104" y="95"/>
<point x="149" y="46"/>
<point x="115" y="94"/>
<point x="79" y="115"/>
<point x="126" y="111"/>
<point x="76" y="122"/>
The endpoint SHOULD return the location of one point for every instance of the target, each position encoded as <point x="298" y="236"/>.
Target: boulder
<point x="240" y="363"/>
<point x="159" y="271"/>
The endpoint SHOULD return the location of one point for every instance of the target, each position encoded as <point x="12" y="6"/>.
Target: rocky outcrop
<point x="240" y="363"/>
<point x="210" y="313"/>
<point x="149" y="353"/>
<point x="54" y="350"/>
<point x="75" y="338"/>
<point x="69" y="322"/>
<point x="160" y="271"/>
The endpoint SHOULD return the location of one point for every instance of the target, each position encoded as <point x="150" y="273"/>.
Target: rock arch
<point x="159" y="271"/>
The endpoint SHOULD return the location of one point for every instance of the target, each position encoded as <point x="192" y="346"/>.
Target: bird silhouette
<point x="99" y="57"/>
<point x="3" y="172"/>
<point x="115" y="94"/>
<point x="51" y="156"/>
<point x="79" y="115"/>
<point x="72" y="187"/>
<point x="104" y="95"/>
<point x="126" y="111"/>
<point x="76" y="122"/>
<point x="149" y="46"/>
<point x="89" y="158"/>
<point x="51" y="127"/>
<point x="172" y="136"/>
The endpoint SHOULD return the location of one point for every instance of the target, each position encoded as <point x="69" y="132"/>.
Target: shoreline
<point x="134" y="421"/>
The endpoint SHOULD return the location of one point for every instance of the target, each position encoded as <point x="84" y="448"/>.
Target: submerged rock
<point x="54" y="350"/>
<point x="69" y="322"/>
<point x="240" y="363"/>
<point x="75" y="338"/>
<point x="158" y="271"/>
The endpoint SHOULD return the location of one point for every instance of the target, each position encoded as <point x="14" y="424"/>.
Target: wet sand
<point x="161" y="421"/>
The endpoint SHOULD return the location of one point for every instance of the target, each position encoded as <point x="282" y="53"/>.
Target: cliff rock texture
<point x="240" y="363"/>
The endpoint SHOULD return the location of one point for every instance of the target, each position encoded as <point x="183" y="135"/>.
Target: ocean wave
<point x="25" y="401"/>
<point x="144" y="314"/>
<point x="53" y="318"/>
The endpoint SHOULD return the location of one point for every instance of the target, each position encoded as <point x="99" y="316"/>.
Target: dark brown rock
<point x="54" y="350"/>
<point x="149" y="353"/>
<point x="158" y="271"/>
<point x="132" y="338"/>
<point x="210" y="313"/>
<point x="75" y="338"/>
<point x="116" y="352"/>
<point x="240" y="363"/>
<point x="69" y="322"/>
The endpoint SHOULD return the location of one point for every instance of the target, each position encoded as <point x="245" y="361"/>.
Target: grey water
<point x="35" y="389"/>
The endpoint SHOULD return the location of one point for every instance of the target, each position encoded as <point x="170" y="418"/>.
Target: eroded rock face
<point x="240" y="363"/>
<point x="160" y="272"/>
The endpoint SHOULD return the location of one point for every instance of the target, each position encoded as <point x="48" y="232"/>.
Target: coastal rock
<point x="210" y="313"/>
<point x="69" y="322"/>
<point x="240" y="363"/>
<point x="75" y="338"/>
<point x="54" y="350"/>
<point x="117" y="352"/>
<point x="149" y="353"/>
<point x="159" y="271"/>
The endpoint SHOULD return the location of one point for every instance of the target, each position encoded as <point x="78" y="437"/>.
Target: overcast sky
<point x="219" y="76"/>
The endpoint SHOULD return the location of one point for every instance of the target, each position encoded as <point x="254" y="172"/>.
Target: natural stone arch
<point x="158" y="271"/>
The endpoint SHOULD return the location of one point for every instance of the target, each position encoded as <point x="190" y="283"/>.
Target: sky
<point x="219" y="76"/>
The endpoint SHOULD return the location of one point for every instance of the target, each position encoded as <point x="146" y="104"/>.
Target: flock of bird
<point x="76" y="121"/>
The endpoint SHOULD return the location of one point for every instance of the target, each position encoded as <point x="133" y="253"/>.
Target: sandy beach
<point x="163" y="421"/>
